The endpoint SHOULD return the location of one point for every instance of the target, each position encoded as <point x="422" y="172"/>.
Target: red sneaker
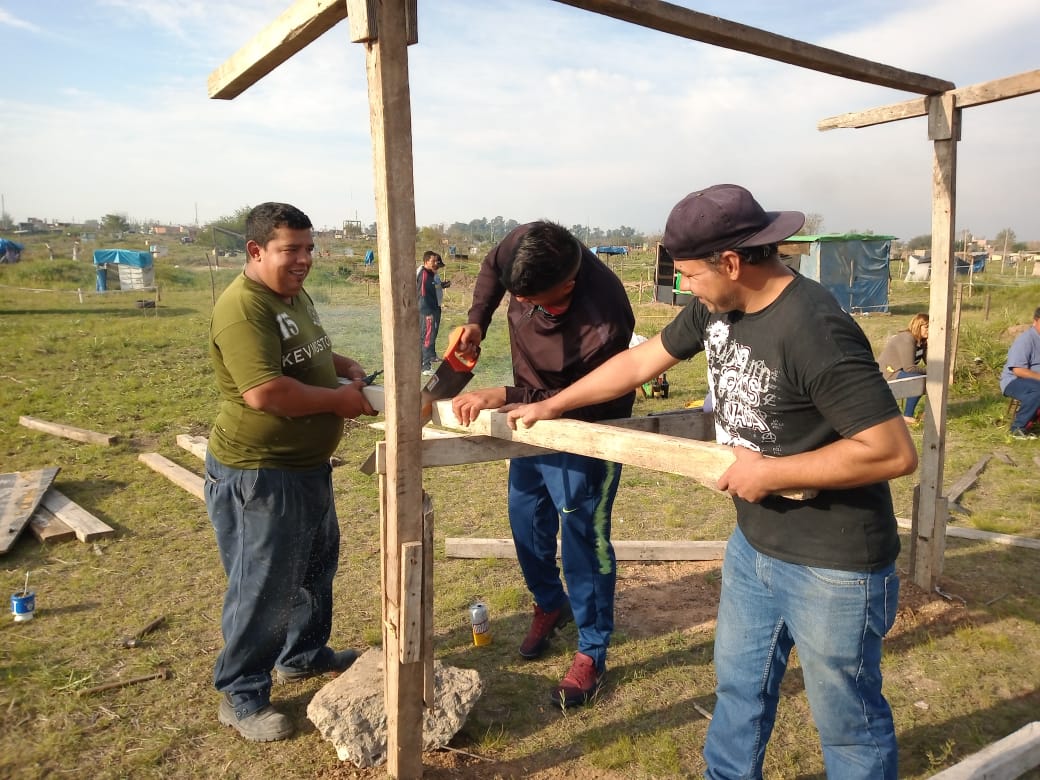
<point x="544" y="625"/>
<point x="580" y="685"/>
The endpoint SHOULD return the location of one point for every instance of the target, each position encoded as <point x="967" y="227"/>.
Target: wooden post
<point x="384" y="35"/>
<point x="928" y="534"/>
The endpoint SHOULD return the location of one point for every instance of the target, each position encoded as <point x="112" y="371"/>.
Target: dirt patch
<point x="661" y="598"/>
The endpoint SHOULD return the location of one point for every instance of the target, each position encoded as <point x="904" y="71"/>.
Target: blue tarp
<point x="854" y="267"/>
<point x="123" y="257"/>
<point x="978" y="262"/>
<point x="609" y="250"/>
<point x="10" y="251"/>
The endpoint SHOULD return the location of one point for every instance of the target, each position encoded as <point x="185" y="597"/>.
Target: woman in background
<point x="904" y="356"/>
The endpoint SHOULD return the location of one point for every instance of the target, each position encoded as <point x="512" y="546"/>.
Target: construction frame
<point x="386" y="28"/>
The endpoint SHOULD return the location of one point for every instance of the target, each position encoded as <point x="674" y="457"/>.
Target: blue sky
<point x="521" y="108"/>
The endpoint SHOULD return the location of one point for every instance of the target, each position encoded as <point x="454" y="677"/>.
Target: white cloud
<point x="10" y="20"/>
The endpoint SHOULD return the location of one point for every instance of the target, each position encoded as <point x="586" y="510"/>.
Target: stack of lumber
<point x="28" y="500"/>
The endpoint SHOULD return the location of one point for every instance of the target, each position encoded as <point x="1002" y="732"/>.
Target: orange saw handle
<point x="453" y="357"/>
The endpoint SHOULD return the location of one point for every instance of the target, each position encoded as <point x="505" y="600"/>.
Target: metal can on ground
<point x="480" y="621"/>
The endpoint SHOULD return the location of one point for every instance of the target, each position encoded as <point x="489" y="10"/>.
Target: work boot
<point x="339" y="662"/>
<point x="544" y="625"/>
<point x="580" y="685"/>
<point x="265" y="725"/>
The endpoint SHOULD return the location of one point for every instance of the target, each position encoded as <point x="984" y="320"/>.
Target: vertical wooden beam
<point x="429" y="689"/>
<point x="928" y="532"/>
<point x="389" y="98"/>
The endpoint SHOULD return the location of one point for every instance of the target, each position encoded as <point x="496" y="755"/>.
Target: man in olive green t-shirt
<point x="268" y="479"/>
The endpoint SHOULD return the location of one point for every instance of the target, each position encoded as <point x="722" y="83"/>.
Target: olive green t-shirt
<point x="255" y="337"/>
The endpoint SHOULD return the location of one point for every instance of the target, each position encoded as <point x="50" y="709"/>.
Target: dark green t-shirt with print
<point x="255" y="337"/>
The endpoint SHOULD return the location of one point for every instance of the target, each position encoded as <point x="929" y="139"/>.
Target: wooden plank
<point x="298" y="26"/>
<point x="624" y="549"/>
<point x="695" y="26"/>
<point x="975" y="534"/>
<point x="454" y="448"/>
<point x="459" y="450"/>
<point x="196" y="445"/>
<point x="966" y="480"/>
<point x="20" y="494"/>
<point x="411" y="626"/>
<point x="1005" y="759"/>
<point x="179" y="476"/>
<point x="704" y="462"/>
<point x="87" y="527"/>
<point x="429" y="680"/>
<point x="68" y="432"/>
<point x="48" y="528"/>
<point x="975" y="95"/>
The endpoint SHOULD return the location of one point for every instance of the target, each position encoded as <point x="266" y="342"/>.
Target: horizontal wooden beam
<point x="457" y="451"/>
<point x="704" y="462"/>
<point x="624" y="550"/>
<point x="975" y="534"/>
<point x="695" y="26"/>
<point x="298" y="26"/>
<point x="1006" y="88"/>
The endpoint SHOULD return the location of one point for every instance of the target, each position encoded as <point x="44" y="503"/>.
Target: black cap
<point x="725" y="216"/>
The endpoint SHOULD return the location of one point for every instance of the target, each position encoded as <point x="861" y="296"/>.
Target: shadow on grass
<point x="927" y="749"/>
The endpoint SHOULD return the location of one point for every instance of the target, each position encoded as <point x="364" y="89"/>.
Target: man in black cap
<point x="799" y="398"/>
<point x="430" y="290"/>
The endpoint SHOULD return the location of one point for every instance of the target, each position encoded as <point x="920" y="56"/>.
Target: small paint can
<point x="23" y="604"/>
<point x="481" y="623"/>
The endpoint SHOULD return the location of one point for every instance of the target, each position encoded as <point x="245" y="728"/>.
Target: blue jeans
<point x="911" y="401"/>
<point x="837" y="620"/>
<point x="278" y="538"/>
<point x="1027" y="391"/>
<point x="544" y="489"/>
<point x="429" y="325"/>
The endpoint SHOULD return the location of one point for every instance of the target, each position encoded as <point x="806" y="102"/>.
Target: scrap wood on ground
<point x="28" y="500"/>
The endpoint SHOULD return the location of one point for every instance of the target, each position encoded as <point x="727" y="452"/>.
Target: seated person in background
<point x="1020" y="378"/>
<point x="903" y="357"/>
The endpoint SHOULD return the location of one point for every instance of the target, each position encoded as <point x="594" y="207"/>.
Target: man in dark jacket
<point x="568" y="313"/>
<point x="429" y="288"/>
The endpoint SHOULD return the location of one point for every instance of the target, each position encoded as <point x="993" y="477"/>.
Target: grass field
<point x="961" y="670"/>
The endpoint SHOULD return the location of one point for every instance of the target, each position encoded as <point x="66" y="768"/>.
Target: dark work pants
<point x="278" y="538"/>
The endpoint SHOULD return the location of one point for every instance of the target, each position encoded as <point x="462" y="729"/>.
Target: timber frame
<point x="386" y="28"/>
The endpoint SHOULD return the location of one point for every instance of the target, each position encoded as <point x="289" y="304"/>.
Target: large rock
<point x="351" y="714"/>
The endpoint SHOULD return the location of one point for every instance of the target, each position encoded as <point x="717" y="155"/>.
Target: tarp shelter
<point x="609" y="250"/>
<point x="853" y="266"/>
<point x="972" y="262"/>
<point x="10" y="251"/>
<point x="919" y="268"/>
<point x="135" y="268"/>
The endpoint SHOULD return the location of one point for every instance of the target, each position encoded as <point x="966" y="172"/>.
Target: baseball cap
<point x="439" y="263"/>
<point x="724" y="216"/>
